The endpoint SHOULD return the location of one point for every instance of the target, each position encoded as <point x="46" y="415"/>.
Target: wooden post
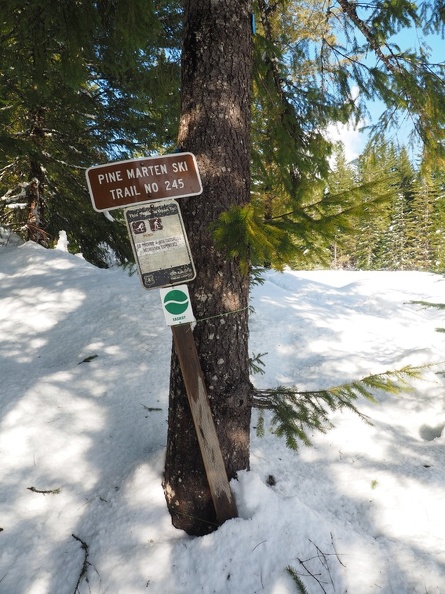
<point x="222" y="496"/>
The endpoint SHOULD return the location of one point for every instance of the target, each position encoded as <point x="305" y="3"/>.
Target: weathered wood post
<point x="193" y="376"/>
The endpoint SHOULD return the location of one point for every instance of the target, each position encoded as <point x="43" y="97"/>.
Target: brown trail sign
<point x="124" y="183"/>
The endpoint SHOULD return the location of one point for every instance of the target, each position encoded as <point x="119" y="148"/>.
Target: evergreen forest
<point x="86" y="83"/>
<point x="407" y="232"/>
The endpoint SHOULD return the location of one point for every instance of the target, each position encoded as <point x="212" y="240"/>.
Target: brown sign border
<point x="146" y="179"/>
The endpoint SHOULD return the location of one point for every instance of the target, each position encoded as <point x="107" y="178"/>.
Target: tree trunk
<point x="36" y="185"/>
<point x="215" y="126"/>
<point x="36" y="206"/>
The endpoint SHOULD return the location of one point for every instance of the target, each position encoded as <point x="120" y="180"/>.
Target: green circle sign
<point x="176" y="302"/>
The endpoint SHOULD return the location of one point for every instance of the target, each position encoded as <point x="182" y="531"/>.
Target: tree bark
<point x="215" y="126"/>
<point x="35" y="189"/>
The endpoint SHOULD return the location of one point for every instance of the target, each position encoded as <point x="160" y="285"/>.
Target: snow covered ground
<point x="84" y="360"/>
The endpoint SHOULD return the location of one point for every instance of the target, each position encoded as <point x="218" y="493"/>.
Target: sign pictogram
<point x="124" y="183"/>
<point x="159" y="243"/>
<point x="138" y="227"/>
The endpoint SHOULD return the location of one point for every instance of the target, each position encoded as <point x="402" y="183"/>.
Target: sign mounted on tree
<point x="125" y="183"/>
<point x="176" y="305"/>
<point x="159" y="243"/>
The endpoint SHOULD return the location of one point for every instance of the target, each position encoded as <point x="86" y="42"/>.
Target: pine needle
<point x="295" y="577"/>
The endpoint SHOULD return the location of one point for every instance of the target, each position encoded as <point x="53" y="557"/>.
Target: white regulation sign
<point x="159" y="243"/>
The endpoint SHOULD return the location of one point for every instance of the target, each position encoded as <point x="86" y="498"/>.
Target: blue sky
<point x="353" y="139"/>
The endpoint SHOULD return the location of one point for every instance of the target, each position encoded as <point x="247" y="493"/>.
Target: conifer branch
<point x="296" y="413"/>
<point x="426" y="304"/>
<point x="390" y="60"/>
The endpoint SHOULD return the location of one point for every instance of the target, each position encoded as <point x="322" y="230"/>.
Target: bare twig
<point x="320" y="576"/>
<point x="45" y="492"/>
<point x="150" y="408"/>
<point x="335" y="551"/>
<point x="260" y="543"/>
<point x="323" y="560"/>
<point x="309" y="572"/>
<point x="86" y="563"/>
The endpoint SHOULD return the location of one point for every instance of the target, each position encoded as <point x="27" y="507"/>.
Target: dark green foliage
<point x="295" y="414"/>
<point x="80" y="84"/>
<point x="88" y="359"/>
<point x="242" y="233"/>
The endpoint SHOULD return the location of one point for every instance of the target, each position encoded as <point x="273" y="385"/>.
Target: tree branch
<point x="349" y="8"/>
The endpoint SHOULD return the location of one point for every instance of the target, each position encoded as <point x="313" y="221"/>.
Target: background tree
<point x="428" y="219"/>
<point x="392" y="249"/>
<point x="342" y="179"/>
<point x="405" y="231"/>
<point x="375" y="174"/>
<point x="439" y="221"/>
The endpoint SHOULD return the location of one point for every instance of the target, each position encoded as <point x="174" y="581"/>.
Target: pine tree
<point x="393" y="250"/>
<point x="375" y="173"/>
<point x="342" y="179"/>
<point x="420" y="229"/>
<point x="215" y="126"/>
<point x="406" y="234"/>
<point x="368" y="185"/>
<point x="428" y="206"/>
